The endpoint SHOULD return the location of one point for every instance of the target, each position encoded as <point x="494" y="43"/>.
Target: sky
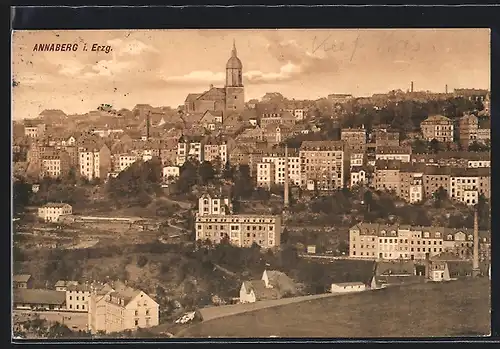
<point x="160" y="67"/>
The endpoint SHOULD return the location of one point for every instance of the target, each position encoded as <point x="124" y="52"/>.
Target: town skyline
<point x="300" y="64"/>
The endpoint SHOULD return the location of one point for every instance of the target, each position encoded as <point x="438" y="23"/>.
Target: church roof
<point x="193" y="96"/>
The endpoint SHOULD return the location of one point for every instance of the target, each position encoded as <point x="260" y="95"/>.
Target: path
<point x="74" y="320"/>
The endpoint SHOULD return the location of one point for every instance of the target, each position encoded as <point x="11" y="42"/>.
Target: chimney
<point x="211" y="86"/>
<point x="147" y="125"/>
<point x="411" y="87"/>
<point x="446" y="88"/>
<point x="475" y="260"/>
<point x="286" y="200"/>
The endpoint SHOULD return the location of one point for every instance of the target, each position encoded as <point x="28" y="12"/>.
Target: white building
<point x="358" y="177"/>
<point x="125" y="160"/>
<point x="278" y="160"/>
<point x="438" y="271"/>
<point x="94" y="163"/>
<point x="171" y="172"/>
<point x="51" y="211"/>
<point x="356" y="159"/>
<point x="347" y="287"/>
<point x="393" y="153"/>
<point x="214" y="205"/>
<point x="478" y="163"/>
<point x="265" y="174"/>
<point x="189" y="148"/>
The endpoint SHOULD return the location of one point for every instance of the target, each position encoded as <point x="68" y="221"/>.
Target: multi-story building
<point x="77" y="297"/>
<point x="277" y="118"/>
<point x="189" y="148"/>
<point x="118" y="308"/>
<point x="378" y="241"/>
<point x="354" y="138"/>
<point x="266" y="173"/>
<point x="51" y="211"/>
<point x="387" y="175"/>
<point x="454" y="159"/>
<point x="56" y="165"/>
<point x="95" y="163"/>
<point x="277" y="157"/>
<point x="466" y="185"/>
<point x="384" y="138"/>
<point x="322" y="165"/>
<point x="215" y="223"/>
<point x="358" y="176"/>
<point x="484" y="131"/>
<point x="411" y="182"/>
<point x="298" y="113"/>
<point x="437" y="127"/>
<point x="436" y="177"/>
<point x="171" y="172"/>
<point x="467" y="129"/>
<point x="216" y="151"/>
<point x="125" y="161"/>
<point x="402" y="153"/>
<point x="34" y="128"/>
<point x="356" y="160"/>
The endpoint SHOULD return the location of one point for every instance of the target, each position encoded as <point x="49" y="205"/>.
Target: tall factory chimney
<point x="148" y="123"/>
<point x="446" y="88"/>
<point x="475" y="260"/>
<point x="411" y="87"/>
<point x="286" y="198"/>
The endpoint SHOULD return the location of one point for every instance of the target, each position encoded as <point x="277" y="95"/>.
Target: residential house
<point x="436" y="177"/>
<point x="118" y="308"/>
<point x="22" y="281"/>
<point x="272" y="285"/>
<point x="171" y="172"/>
<point x="438" y="271"/>
<point x="437" y="127"/>
<point x="355" y="139"/>
<point x="77" y="297"/>
<point x="52" y="211"/>
<point x="402" y="153"/>
<point x="277" y="158"/>
<point x="467" y="184"/>
<point x="189" y="148"/>
<point x="358" y="177"/>
<point x="411" y="180"/>
<point x="484" y="131"/>
<point x="62" y="285"/>
<point x="34" y="128"/>
<point x="94" y="162"/>
<point x="384" y="138"/>
<point x="277" y="118"/>
<point x="55" y="165"/>
<point x="211" y="119"/>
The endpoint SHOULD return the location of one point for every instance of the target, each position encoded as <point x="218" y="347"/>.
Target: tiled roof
<point x="55" y="204"/>
<point x="322" y="145"/>
<point x="388" y="164"/>
<point x="281" y="281"/>
<point x="35" y="296"/>
<point x="260" y="290"/>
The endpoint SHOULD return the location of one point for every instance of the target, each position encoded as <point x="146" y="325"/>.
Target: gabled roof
<point x="260" y="290"/>
<point x="21" y="278"/>
<point x="280" y="281"/>
<point x="36" y="296"/>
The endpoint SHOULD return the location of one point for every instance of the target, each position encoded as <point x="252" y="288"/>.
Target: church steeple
<point x="234" y="69"/>
<point x="234" y="53"/>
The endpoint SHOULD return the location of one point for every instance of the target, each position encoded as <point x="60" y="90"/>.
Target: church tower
<point x="235" y="93"/>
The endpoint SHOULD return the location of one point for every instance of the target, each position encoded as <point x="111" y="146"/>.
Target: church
<point x="230" y="98"/>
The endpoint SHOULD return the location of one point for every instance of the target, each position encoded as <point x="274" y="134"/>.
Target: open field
<point x="458" y="308"/>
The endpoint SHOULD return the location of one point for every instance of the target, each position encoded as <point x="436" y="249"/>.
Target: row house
<point x="390" y="242"/>
<point x="322" y="165"/>
<point x="358" y="177"/>
<point x="190" y="148"/>
<point x="437" y="127"/>
<point x="402" y="153"/>
<point x="55" y="165"/>
<point x="94" y="163"/>
<point x="268" y="175"/>
<point x="454" y="159"/>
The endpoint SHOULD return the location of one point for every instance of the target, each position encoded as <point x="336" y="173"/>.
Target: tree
<point x="187" y="177"/>
<point x="434" y="146"/>
<point x="419" y="146"/>
<point x="206" y="173"/>
<point x="228" y="171"/>
<point x="58" y="330"/>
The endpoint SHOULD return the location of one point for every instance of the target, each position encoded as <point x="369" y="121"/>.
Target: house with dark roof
<point x="22" y="281"/>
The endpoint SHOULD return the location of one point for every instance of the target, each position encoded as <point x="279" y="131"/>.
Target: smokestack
<point x="147" y="125"/>
<point x="475" y="260"/>
<point x="446" y="88"/>
<point x="411" y="87"/>
<point x="286" y="200"/>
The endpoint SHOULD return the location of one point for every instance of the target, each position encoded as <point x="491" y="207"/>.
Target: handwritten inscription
<point x="52" y="47"/>
<point x="387" y="43"/>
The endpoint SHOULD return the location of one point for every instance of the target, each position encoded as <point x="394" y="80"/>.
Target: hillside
<point x="458" y="308"/>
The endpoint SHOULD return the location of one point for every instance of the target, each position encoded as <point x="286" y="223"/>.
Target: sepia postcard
<point x="251" y="183"/>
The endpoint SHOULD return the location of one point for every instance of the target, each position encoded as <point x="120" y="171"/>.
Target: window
<point x="83" y="306"/>
<point x="77" y="298"/>
<point x="77" y="306"/>
<point x="70" y="297"/>
<point x="83" y="298"/>
<point x="137" y="322"/>
<point x="71" y="306"/>
<point x="136" y="313"/>
<point x="147" y="312"/>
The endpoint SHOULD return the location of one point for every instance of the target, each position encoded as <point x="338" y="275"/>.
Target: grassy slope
<point x="438" y="310"/>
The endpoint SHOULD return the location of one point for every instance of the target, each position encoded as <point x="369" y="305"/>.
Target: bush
<point x="142" y="261"/>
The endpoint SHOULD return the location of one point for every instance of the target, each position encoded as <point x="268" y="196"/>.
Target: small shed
<point x="346" y="287"/>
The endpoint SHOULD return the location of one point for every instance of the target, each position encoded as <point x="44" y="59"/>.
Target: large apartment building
<point x="437" y="127"/>
<point x="215" y="222"/>
<point x="402" y="153"/>
<point x="378" y="241"/>
<point x="51" y="211"/>
<point x="34" y="128"/>
<point x="55" y="165"/>
<point x="387" y="175"/>
<point x="190" y="148"/>
<point x="467" y="129"/>
<point x="95" y="163"/>
<point x="322" y="165"/>
<point x="355" y="139"/>
<point x="271" y="169"/>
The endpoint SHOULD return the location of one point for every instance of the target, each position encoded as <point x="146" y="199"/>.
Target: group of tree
<point x="136" y="185"/>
